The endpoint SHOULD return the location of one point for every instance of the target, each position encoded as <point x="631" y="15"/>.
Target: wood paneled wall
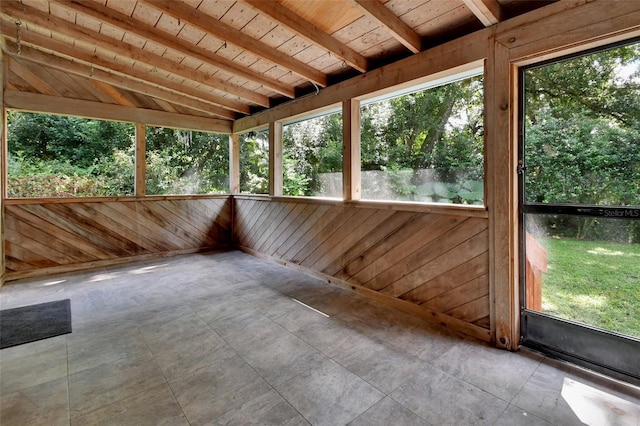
<point x="55" y="236"/>
<point x="435" y="262"/>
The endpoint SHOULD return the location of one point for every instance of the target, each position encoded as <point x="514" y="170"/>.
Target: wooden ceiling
<point x="223" y="59"/>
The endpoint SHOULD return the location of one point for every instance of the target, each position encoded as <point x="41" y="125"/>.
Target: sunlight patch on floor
<point x="597" y="408"/>
<point x="307" y="306"/>
<point x="50" y="283"/>
<point x="102" y="277"/>
<point x="147" y="269"/>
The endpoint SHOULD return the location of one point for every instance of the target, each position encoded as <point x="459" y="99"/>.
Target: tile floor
<point x="222" y="339"/>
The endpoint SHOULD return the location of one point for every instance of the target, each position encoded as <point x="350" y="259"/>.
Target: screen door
<point x="579" y="170"/>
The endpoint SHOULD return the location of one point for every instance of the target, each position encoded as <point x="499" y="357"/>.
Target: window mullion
<point x="351" y="150"/>
<point x="141" y="166"/>
<point x="275" y="159"/>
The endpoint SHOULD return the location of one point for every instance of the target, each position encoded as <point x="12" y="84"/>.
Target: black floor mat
<point x="35" y="322"/>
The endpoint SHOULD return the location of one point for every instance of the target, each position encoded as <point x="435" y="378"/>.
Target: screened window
<point x="312" y="157"/>
<point x="59" y="156"/>
<point x="254" y="163"/>
<point x="425" y="146"/>
<point x="186" y="162"/>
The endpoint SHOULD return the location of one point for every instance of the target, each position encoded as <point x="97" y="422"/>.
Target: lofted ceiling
<point x="223" y="59"/>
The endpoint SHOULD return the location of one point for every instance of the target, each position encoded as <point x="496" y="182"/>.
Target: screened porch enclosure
<point x="373" y="145"/>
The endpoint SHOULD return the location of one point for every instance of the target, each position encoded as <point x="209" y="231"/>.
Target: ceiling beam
<point x="227" y="33"/>
<point x="180" y="46"/>
<point x="392" y="24"/>
<point x="31" y="15"/>
<point x="451" y="58"/>
<point x="84" y="70"/>
<point x="36" y="102"/>
<point x="489" y="12"/>
<point x="310" y="32"/>
<point x="61" y="48"/>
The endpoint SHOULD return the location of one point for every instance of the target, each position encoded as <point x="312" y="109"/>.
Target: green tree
<point x="436" y="132"/>
<point x="254" y="163"/>
<point x="78" y="141"/>
<point x="311" y="147"/>
<point x="57" y="156"/>
<point x="582" y="129"/>
<point x="582" y="137"/>
<point x="186" y="162"/>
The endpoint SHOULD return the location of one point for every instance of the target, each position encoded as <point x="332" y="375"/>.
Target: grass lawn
<point x="594" y="282"/>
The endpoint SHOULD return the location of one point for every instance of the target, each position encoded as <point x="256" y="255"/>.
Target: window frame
<point x="318" y="114"/>
<point x="430" y="83"/>
<point x="139" y="163"/>
<point x="178" y="129"/>
<point x="4" y="168"/>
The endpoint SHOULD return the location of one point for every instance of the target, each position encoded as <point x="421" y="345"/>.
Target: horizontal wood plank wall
<point x="50" y="237"/>
<point x="438" y="263"/>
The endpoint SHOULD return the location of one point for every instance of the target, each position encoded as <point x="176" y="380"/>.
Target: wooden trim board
<point x="34" y="102"/>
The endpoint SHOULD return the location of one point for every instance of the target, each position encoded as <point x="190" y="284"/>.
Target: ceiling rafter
<point x="113" y="93"/>
<point x="93" y="60"/>
<point x="392" y="24"/>
<point x="44" y="20"/>
<point x="310" y="32"/>
<point x="182" y="47"/>
<point x="226" y="58"/>
<point x="227" y="33"/>
<point x="489" y="12"/>
<point x="83" y="70"/>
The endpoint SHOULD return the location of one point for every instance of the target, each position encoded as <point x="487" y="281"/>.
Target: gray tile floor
<point x="224" y="339"/>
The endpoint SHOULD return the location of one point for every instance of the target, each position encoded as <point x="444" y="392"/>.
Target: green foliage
<point x="582" y="138"/>
<point x="469" y="192"/>
<point x="78" y="141"/>
<point x="311" y="147"/>
<point x="117" y="171"/>
<point x="254" y="163"/>
<point x="582" y="160"/>
<point x="55" y="156"/>
<point x="40" y="178"/>
<point x="294" y="183"/>
<point x="472" y="191"/>
<point x="600" y="85"/>
<point x="401" y="181"/>
<point x="186" y="162"/>
<point x="439" y="130"/>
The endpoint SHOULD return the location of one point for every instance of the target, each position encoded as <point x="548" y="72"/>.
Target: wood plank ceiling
<point x="223" y="59"/>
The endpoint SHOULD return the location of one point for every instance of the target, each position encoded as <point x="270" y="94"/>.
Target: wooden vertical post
<point x="351" y="182"/>
<point x="501" y="195"/>
<point x="141" y="160"/>
<point x="4" y="149"/>
<point x="3" y="156"/>
<point x="275" y="159"/>
<point x="234" y="163"/>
